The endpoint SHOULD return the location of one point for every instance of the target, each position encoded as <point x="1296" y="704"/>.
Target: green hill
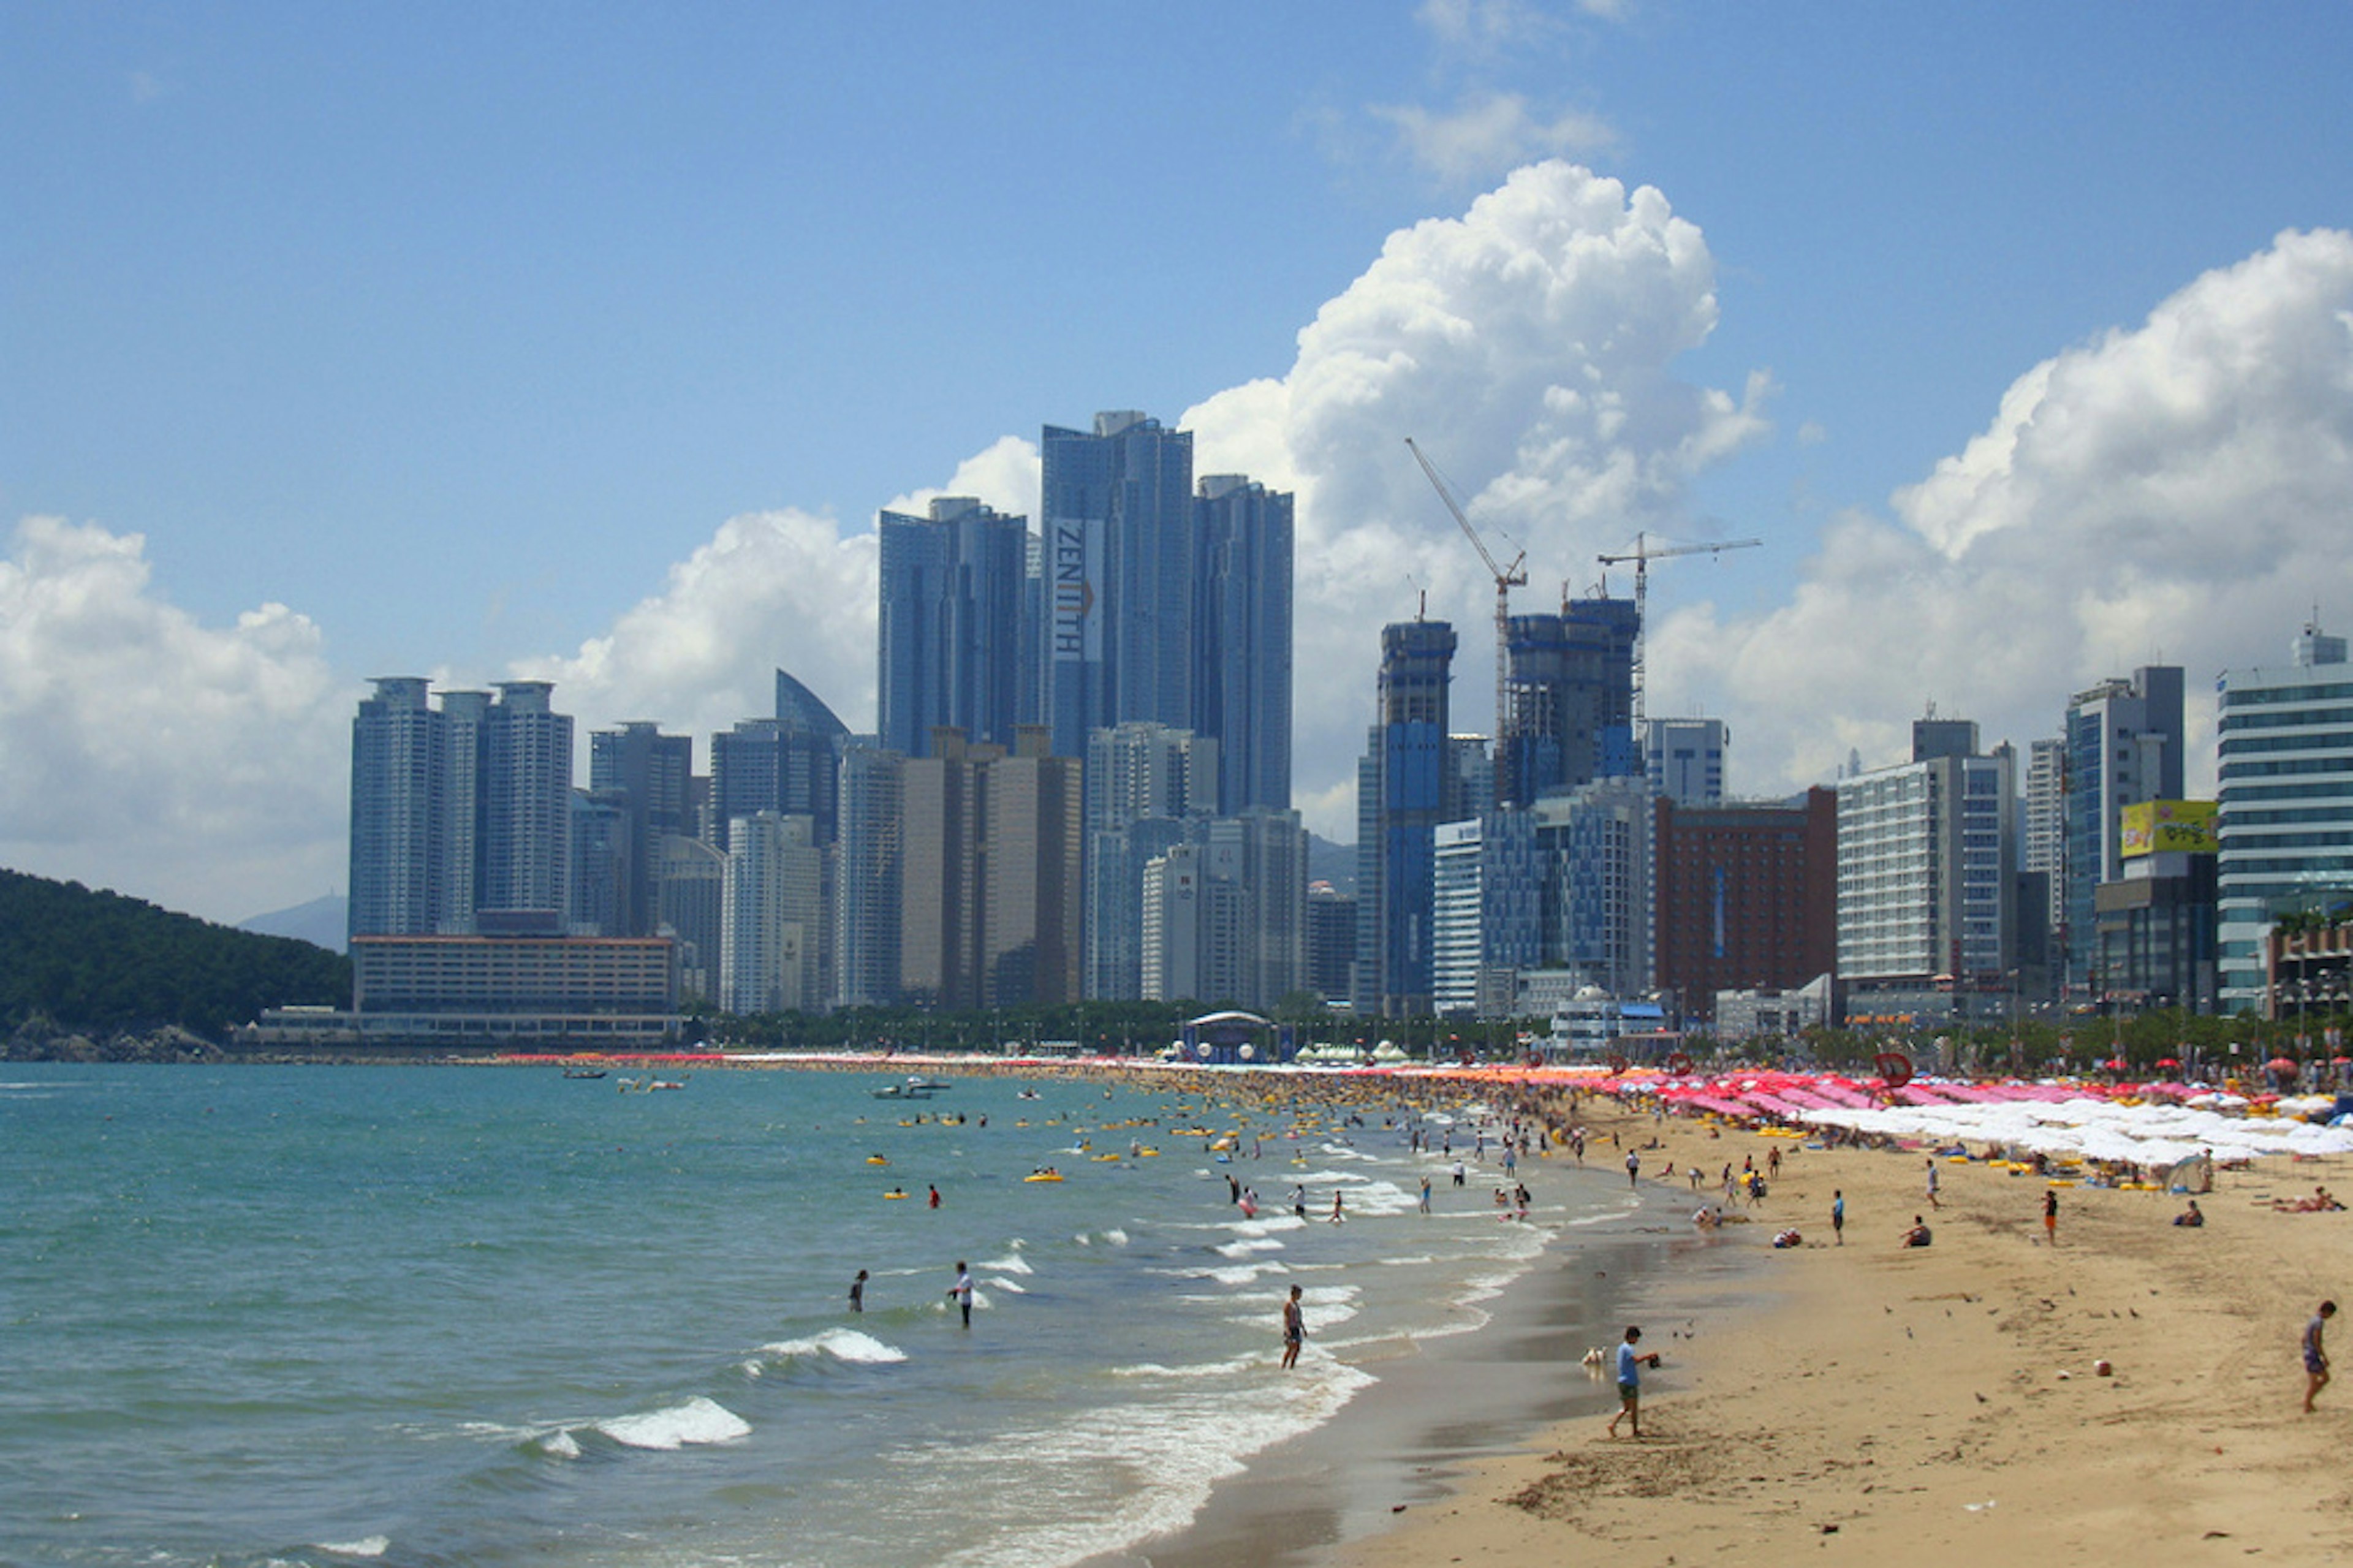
<point x="102" y="963"/>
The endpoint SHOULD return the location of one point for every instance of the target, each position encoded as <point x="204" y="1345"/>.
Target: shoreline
<point x="1443" y="1405"/>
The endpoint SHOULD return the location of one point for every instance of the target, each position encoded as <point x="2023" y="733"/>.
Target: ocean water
<point x="489" y="1316"/>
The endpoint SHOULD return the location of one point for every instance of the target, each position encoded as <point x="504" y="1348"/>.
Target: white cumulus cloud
<point x="141" y="749"/>
<point x="2178" y="494"/>
<point x="769" y="590"/>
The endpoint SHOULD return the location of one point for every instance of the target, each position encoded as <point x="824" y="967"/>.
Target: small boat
<point x="914" y="1087"/>
<point x="667" y="1083"/>
<point x="1045" y="1176"/>
<point x="584" y="1072"/>
<point x="876" y="1159"/>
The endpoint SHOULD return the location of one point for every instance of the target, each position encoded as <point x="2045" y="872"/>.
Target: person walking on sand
<point x="1932" y="1184"/>
<point x="1294" y="1329"/>
<point x="961" y="1291"/>
<point x="1838" y="1217"/>
<point x="1630" y="1381"/>
<point x="858" y="1292"/>
<point x="2051" y="1215"/>
<point x="1633" y="1169"/>
<point x="2316" y="1358"/>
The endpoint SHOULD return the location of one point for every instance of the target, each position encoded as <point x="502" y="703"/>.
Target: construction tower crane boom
<point x="1506" y="579"/>
<point x="1641" y="555"/>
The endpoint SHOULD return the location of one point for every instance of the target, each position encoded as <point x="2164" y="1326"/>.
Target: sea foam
<point x="841" y="1344"/>
<point x="699" y="1420"/>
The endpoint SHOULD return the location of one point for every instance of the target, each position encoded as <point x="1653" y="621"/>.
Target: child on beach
<point x="1630" y="1381"/>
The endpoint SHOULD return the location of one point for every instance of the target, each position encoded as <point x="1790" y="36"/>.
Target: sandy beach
<point x="1870" y="1403"/>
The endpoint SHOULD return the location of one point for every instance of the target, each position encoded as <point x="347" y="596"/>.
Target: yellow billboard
<point x="2168" y="827"/>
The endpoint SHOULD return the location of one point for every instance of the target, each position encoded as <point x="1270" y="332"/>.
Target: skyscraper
<point x="648" y="773"/>
<point x="2285" y="822"/>
<point x="1144" y="783"/>
<point x="1242" y="649"/>
<point x="2123" y="746"/>
<point x="1570" y="690"/>
<point x="459" y="810"/>
<point x="777" y="765"/>
<point x="398" y="811"/>
<point x="527" y="806"/>
<point x="691" y="906"/>
<point x="772" y="922"/>
<point x="604" y="865"/>
<point x="1119" y="559"/>
<point x="867" y="878"/>
<point x="952" y="637"/>
<point x="2042" y="803"/>
<point x="1407" y="787"/>
<point x="1033" y="894"/>
<point x="1224" y="913"/>
<point x="1926" y="864"/>
<point x="989" y="860"/>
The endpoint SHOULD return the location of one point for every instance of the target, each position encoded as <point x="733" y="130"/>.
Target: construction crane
<point x="1641" y="555"/>
<point x="1506" y="579"/>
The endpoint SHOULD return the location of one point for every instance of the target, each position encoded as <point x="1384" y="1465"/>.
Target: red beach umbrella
<point x="2279" y="1063"/>
<point x="2167" y="1062"/>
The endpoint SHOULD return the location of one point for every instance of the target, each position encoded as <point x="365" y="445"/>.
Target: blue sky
<point x="557" y="340"/>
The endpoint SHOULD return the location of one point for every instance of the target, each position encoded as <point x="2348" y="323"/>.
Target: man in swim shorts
<point x="1294" y="1329"/>
<point x="2316" y="1358"/>
<point x="1630" y="1381"/>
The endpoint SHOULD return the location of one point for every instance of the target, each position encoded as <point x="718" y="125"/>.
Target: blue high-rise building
<point x="1415" y="785"/>
<point x="1243" y="688"/>
<point x="1119" y="561"/>
<point x="953" y="637"/>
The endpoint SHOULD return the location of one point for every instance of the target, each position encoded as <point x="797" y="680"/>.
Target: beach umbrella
<point x="2167" y="1062"/>
<point x="2279" y="1063"/>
